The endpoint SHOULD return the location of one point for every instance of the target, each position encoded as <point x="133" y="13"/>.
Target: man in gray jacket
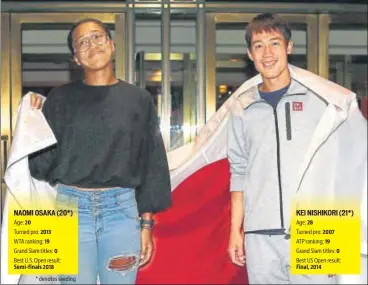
<point x="279" y="142"/>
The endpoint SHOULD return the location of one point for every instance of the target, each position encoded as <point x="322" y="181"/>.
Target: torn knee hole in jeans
<point x="123" y="263"/>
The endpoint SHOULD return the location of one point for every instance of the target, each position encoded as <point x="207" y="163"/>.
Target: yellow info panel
<point x="325" y="237"/>
<point x="43" y="239"/>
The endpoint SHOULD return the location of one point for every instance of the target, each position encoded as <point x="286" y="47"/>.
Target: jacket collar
<point x="252" y="94"/>
<point x="296" y="88"/>
<point x="302" y="81"/>
<point x="333" y="93"/>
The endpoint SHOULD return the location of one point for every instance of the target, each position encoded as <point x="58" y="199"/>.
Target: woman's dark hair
<point x="87" y="20"/>
<point x="267" y="22"/>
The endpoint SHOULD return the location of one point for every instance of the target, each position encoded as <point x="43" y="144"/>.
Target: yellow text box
<point x="43" y="238"/>
<point x="325" y="237"/>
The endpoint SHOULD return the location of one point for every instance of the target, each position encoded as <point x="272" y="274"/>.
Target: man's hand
<point x="36" y="101"/>
<point x="146" y="246"/>
<point x="236" y="248"/>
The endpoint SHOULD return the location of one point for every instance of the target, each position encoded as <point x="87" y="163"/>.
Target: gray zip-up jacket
<point x="267" y="150"/>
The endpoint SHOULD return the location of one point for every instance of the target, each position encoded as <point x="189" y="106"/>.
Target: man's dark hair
<point x="87" y="20"/>
<point x="267" y="22"/>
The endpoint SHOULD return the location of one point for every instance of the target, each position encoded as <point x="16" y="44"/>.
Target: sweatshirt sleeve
<point x="41" y="161"/>
<point x="154" y="193"/>
<point x="236" y="152"/>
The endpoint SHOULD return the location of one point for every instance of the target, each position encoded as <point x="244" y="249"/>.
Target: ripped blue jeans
<point x="109" y="235"/>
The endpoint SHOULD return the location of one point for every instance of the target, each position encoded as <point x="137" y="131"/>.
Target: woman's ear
<point x="75" y="59"/>
<point x="112" y="46"/>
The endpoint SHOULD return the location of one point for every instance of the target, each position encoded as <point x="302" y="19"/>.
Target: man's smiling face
<point x="269" y="51"/>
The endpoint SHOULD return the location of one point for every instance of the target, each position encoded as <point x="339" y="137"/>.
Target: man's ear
<point x="290" y="47"/>
<point x="250" y="54"/>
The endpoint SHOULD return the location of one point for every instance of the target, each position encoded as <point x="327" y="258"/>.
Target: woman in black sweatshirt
<point x="109" y="156"/>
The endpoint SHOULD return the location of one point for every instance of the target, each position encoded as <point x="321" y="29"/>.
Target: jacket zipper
<point x="279" y="167"/>
<point x="288" y="121"/>
<point x="278" y="159"/>
<point x="278" y="154"/>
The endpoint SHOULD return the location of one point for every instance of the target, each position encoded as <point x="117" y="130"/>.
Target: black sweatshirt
<point x="107" y="136"/>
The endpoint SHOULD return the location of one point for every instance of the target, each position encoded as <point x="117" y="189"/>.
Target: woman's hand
<point x="146" y="246"/>
<point x="36" y="101"/>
